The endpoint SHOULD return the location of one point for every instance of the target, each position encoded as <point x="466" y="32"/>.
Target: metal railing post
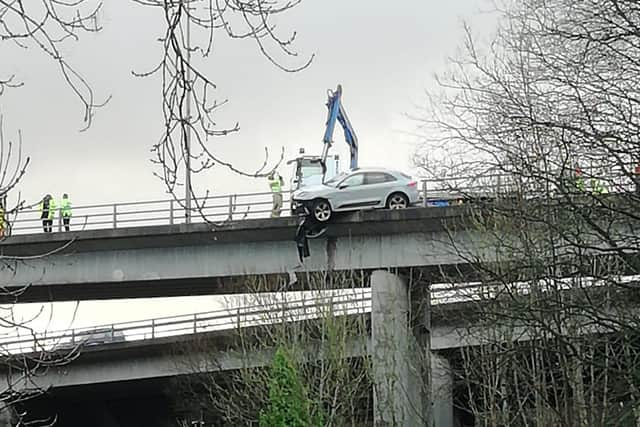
<point x="231" y="197"/>
<point x="195" y="320"/>
<point x="59" y="221"/>
<point x="424" y="193"/>
<point x="171" y="211"/>
<point x="238" y="318"/>
<point x="153" y="326"/>
<point x="115" y="215"/>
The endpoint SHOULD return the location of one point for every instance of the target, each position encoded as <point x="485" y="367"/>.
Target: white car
<point x="358" y="189"/>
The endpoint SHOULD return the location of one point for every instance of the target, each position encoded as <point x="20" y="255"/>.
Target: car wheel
<point x="397" y="201"/>
<point x="321" y="210"/>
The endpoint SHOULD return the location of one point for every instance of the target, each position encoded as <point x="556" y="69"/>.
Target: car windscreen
<point x="333" y="181"/>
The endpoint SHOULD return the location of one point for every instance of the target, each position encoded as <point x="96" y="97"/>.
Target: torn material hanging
<point x="308" y="228"/>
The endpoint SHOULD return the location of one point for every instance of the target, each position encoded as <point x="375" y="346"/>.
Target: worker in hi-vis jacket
<point x="275" y="183"/>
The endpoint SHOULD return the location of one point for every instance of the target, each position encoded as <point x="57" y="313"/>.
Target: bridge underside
<point x="135" y="403"/>
<point x="166" y="358"/>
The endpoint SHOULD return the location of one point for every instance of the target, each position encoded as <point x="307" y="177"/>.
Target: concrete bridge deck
<point x="191" y="259"/>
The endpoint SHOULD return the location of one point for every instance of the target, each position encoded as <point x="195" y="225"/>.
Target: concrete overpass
<point x="161" y="358"/>
<point x="144" y="349"/>
<point x="191" y="259"/>
<point x="204" y="259"/>
<point x="156" y="360"/>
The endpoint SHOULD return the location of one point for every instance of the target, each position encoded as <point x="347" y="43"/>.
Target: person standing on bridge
<point x="275" y="183"/>
<point x="47" y="213"/>
<point x="65" y="211"/>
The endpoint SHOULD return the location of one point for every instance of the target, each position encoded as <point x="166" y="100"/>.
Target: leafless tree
<point x="548" y="110"/>
<point x="47" y="25"/>
<point x="188" y="107"/>
<point x="188" y="94"/>
<point x="325" y="331"/>
<point x="322" y="336"/>
<point x="18" y="368"/>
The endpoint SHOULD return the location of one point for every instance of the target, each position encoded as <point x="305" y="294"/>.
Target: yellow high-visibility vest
<point x="275" y="184"/>
<point x="65" y="207"/>
<point x="52" y="208"/>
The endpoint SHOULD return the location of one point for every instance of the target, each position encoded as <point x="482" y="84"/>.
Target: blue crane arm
<point x="338" y="113"/>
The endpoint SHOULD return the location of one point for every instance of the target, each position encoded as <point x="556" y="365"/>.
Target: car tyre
<point x="321" y="210"/>
<point x="398" y="201"/>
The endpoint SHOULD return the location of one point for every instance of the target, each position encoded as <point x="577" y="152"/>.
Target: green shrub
<point x="289" y="405"/>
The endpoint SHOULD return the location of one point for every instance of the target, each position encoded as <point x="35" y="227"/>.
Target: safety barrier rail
<point x="269" y="312"/>
<point x="229" y="318"/>
<point x="215" y="209"/>
<point x="155" y="212"/>
<point x="440" y="191"/>
<point x="434" y="192"/>
<point x="444" y="189"/>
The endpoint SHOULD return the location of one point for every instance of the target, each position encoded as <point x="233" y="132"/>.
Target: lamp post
<point x="187" y="116"/>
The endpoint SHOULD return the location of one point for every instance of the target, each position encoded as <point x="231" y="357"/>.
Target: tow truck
<point x="314" y="170"/>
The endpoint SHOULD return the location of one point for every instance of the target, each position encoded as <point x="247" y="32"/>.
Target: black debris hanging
<point x="308" y="228"/>
<point x="301" y="240"/>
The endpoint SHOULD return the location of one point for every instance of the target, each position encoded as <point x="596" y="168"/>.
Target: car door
<point x="376" y="188"/>
<point x="348" y="194"/>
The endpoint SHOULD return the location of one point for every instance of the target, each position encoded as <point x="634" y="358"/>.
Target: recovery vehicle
<point x="313" y="169"/>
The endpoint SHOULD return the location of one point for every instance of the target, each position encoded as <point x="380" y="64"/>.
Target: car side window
<point x="353" y="180"/>
<point x="378" y="178"/>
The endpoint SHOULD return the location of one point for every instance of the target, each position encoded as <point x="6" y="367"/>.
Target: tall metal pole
<point x="187" y="140"/>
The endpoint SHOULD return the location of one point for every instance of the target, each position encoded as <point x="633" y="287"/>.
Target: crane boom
<point x="338" y="113"/>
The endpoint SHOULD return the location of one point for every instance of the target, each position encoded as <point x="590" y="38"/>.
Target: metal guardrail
<point x="274" y="312"/>
<point x="434" y="192"/>
<point x="230" y="318"/>
<point x="154" y="212"/>
<point x="441" y="191"/>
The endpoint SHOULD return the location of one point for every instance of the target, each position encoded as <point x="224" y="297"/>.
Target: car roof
<point x="372" y="169"/>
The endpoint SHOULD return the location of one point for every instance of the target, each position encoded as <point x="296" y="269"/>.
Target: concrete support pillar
<point x="396" y="391"/>
<point x="441" y="391"/>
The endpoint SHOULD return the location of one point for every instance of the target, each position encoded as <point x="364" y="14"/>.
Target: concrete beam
<point x="158" y="358"/>
<point x="187" y="260"/>
<point x="139" y="360"/>
<point x="161" y="359"/>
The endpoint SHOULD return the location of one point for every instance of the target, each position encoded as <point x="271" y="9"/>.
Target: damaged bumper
<point x="300" y="207"/>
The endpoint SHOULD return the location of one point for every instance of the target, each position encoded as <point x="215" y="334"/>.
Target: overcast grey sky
<point x="383" y="53"/>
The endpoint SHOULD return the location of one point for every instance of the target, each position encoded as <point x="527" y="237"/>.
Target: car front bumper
<point x="300" y="207"/>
